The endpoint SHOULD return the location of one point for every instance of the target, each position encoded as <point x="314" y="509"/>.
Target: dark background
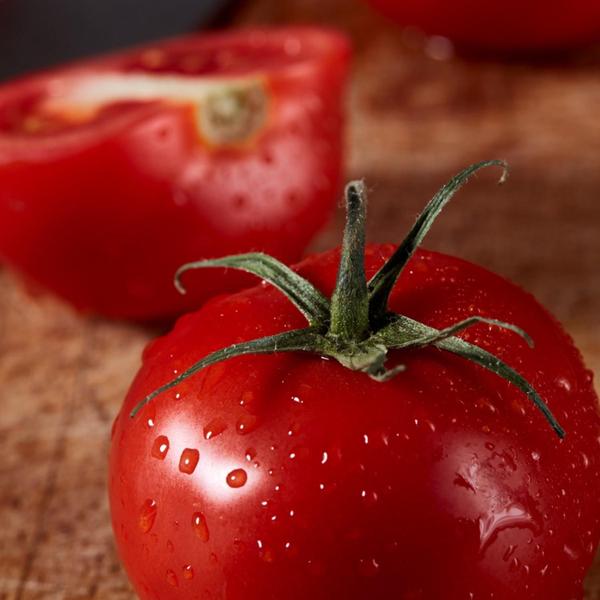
<point x="39" y="33"/>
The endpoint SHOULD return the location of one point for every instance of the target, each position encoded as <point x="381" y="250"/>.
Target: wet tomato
<point x="512" y="26"/>
<point x="290" y="475"/>
<point x="115" y="171"/>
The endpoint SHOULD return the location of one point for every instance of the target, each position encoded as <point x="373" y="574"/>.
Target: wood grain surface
<point x="416" y="116"/>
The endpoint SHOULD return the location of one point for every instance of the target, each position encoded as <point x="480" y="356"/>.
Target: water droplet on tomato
<point x="535" y="455"/>
<point x="170" y="546"/>
<point x="246" y="423"/>
<point x="265" y="552"/>
<point x="151" y="416"/>
<point x="250" y="454"/>
<point x="171" y="578"/>
<point x="200" y="526"/>
<point x="570" y="552"/>
<point x="514" y="515"/>
<point x="188" y="572"/>
<point x="160" y="447"/>
<point x="248" y="401"/>
<point x="370" y="497"/>
<point x="462" y="481"/>
<point x="147" y="515"/>
<point x="214" y="428"/>
<point x="514" y="564"/>
<point x="189" y="460"/>
<point x="237" y="478"/>
<point x="585" y="459"/>
<point x="368" y="567"/>
<point x="564" y="383"/>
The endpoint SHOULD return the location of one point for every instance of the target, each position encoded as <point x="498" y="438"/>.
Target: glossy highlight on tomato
<point x="511" y="26"/>
<point x="115" y="171"/>
<point x="315" y="481"/>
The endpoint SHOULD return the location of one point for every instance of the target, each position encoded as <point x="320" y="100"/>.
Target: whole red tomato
<point x="289" y="475"/>
<point x="509" y="26"/>
<point x="115" y="171"/>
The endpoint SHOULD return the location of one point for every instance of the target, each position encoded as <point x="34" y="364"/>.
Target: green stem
<point x="350" y="300"/>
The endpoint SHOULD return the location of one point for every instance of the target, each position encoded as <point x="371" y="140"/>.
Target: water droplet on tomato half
<point x="188" y="572"/>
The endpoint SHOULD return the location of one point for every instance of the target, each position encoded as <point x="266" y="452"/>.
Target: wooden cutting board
<point x="414" y="119"/>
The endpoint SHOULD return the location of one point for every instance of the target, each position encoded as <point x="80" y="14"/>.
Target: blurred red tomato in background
<point x="512" y="26"/>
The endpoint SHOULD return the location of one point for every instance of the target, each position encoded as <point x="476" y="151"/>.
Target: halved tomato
<point x="115" y="171"/>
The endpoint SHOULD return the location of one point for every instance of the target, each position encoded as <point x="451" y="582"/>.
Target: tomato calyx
<point x="356" y="327"/>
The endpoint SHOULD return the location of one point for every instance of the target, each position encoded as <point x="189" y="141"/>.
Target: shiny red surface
<point x="104" y="211"/>
<point x="509" y="26"/>
<point x="316" y="482"/>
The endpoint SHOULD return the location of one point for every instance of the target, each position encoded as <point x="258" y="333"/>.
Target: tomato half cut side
<point x="117" y="170"/>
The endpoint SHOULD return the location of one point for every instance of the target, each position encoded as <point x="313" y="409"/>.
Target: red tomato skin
<point x="512" y="26"/>
<point x="103" y="215"/>
<point x="444" y="482"/>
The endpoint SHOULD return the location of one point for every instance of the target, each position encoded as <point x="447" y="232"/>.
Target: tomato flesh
<point x="102" y="200"/>
<point x="289" y="476"/>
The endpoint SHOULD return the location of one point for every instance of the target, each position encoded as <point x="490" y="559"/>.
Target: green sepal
<point x="382" y="283"/>
<point x="303" y="294"/>
<point x="399" y="332"/>
<point x="298" y="340"/>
